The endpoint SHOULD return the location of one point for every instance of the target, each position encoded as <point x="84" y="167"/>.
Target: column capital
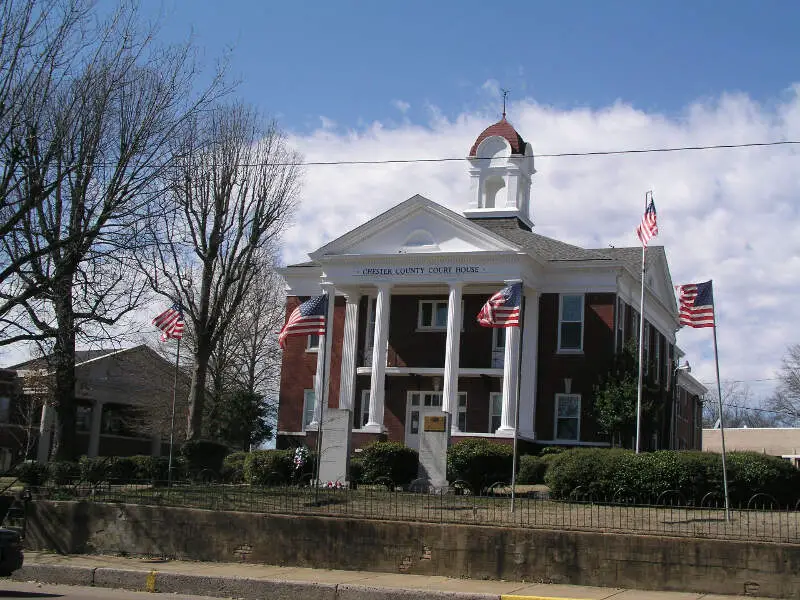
<point x="351" y="294"/>
<point x="513" y="281"/>
<point x="384" y="285"/>
<point x="456" y="285"/>
<point x="328" y="287"/>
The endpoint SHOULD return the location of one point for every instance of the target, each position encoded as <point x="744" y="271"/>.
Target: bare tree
<point x="786" y="399"/>
<point x="739" y="408"/>
<point x="231" y="196"/>
<point x="117" y="114"/>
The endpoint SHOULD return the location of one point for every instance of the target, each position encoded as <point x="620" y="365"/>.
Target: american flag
<point x="306" y="319"/>
<point x="697" y="304"/>
<point x="170" y="322"/>
<point x="502" y="309"/>
<point x="648" y="229"/>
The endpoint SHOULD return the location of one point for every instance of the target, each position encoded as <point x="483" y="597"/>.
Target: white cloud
<point x="401" y="105"/>
<point x="727" y="215"/>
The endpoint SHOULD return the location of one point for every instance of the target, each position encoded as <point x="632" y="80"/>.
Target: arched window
<point x="491" y="189"/>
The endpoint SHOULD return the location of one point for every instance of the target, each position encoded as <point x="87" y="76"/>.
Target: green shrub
<point x="63" y="472"/>
<point x="233" y="467"/>
<point x="32" y="473"/>
<point x="203" y="455"/>
<point x="531" y="469"/>
<point x="670" y="476"/>
<point x="391" y="460"/>
<point x="123" y="469"/>
<point x="356" y="471"/>
<point x="94" y="470"/>
<point x="268" y="467"/>
<point x="479" y="463"/>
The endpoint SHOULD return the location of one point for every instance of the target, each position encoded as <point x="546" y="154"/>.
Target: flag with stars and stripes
<point x="502" y="309"/>
<point x="696" y="304"/>
<point x="171" y="323"/>
<point x="306" y="319"/>
<point x="648" y="228"/>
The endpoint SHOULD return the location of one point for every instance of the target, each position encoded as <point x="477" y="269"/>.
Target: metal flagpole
<point x="323" y="347"/>
<point x="519" y="394"/>
<point x="172" y="423"/>
<point x="721" y="418"/>
<point x="641" y="351"/>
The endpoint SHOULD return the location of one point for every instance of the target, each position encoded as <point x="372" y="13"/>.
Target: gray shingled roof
<point x="540" y="245"/>
<point x="81" y="356"/>
<point x="631" y="257"/>
<point x="309" y="263"/>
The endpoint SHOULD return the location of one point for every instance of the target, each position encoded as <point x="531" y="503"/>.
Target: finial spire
<point x="505" y="95"/>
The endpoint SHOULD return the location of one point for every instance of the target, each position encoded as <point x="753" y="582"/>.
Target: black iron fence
<point x="669" y="515"/>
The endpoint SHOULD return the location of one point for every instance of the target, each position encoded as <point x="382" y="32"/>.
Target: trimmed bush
<point x="268" y="467"/>
<point x="394" y="460"/>
<point x="203" y="455"/>
<point x="531" y="469"/>
<point x="479" y="462"/>
<point x="94" y="470"/>
<point x="122" y="469"/>
<point x="233" y="467"/>
<point x="356" y="471"/>
<point x="32" y="473"/>
<point x="63" y="472"/>
<point x="615" y="474"/>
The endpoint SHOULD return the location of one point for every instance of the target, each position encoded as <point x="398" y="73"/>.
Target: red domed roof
<point x="505" y="130"/>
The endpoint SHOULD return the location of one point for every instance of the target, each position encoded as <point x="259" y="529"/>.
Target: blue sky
<point x="351" y="60"/>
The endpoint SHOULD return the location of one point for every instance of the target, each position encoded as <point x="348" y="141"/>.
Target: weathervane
<point x="505" y="95"/>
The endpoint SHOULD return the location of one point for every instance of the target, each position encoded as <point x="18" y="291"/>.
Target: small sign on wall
<point x="433" y="423"/>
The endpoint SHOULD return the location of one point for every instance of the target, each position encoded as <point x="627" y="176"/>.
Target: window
<point x="462" y="411"/>
<point x="5" y="409"/>
<point x="620" y="325"/>
<point x="432" y="314"/>
<point x="635" y="323"/>
<point x="309" y="402"/>
<point x="646" y="348"/>
<point x="568" y="417"/>
<point x="363" y="414"/>
<point x="657" y="356"/>
<point x="83" y="418"/>
<point x="495" y="411"/>
<point x="498" y="347"/>
<point x="570" y="323"/>
<point x="312" y="342"/>
<point x="670" y="366"/>
<point x="369" y="336"/>
<point x="434" y="400"/>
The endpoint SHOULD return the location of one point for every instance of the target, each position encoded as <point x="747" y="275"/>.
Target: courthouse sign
<point x="413" y="272"/>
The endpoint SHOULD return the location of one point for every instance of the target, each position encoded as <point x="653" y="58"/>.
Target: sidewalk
<point x="251" y="581"/>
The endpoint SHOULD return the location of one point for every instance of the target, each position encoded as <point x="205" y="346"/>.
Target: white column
<point x="347" y="381"/>
<point x="530" y="361"/>
<point x="94" y="432"/>
<point x="450" y="389"/>
<point x="510" y="380"/>
<point x="377" y="383"/>
<point x="322" y="376"/>
<point x="45" y="433"/>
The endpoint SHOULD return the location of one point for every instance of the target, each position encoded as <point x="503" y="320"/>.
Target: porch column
<point x="322" y="377"/>
<point x="530" y="358"/>
<point x="510" y="380"/>
<point x="450" y="388"/>
<point x="377" y="384"/>
<point x="94" y="432"/>
<point x="347" y="382"/>
<point x="45" y="433"/>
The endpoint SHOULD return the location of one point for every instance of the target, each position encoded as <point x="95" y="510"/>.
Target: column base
<point x="373" y="428"/>
<point x="504" y="432"/>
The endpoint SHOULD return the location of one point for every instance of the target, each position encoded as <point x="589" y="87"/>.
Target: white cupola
<point x="501" y="166"/>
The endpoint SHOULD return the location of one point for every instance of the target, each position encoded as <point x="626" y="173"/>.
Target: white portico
<point x="421" y="250"/>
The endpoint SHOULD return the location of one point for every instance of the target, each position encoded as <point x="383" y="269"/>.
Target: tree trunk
<point x="64" y="371"/>
<point x="197" y="393"/>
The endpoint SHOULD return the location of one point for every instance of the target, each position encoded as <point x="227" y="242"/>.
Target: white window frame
<point x="436" y="399"/>
<point x="492" y="414"/>
<point x="556" y="418"/>
<point x="364" y="411"/>
<point x="309" y="395"/>
<point x="369" y="330"/>
<point x="434" y="304"/>
<point x="620" y="330"/>
<point x="312" y="337"/>
<point x="561" y="298"/>
<point x="497" y="333"/>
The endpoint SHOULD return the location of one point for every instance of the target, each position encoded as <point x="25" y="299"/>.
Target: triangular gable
<point x="415" y="226"/>
<point x="658" y="278"/>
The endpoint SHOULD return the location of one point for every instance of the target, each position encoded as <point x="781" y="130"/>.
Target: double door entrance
<point x="422" y="404"/>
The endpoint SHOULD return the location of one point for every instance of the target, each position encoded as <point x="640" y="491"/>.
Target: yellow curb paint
<point x="150" y="582"/>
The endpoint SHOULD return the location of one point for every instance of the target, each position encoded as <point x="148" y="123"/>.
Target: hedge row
<point x="608" y="474"/>
<point x="97" y="470"/>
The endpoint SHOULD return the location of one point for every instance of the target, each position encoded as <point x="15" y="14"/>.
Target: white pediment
<point x="659" y="281"/>
<point x="416" y="226"/>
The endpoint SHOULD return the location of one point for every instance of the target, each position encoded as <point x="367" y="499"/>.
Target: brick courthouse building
<point x="405" y="340"/>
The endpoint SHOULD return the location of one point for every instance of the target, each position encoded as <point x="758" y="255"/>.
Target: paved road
<point x="14" y="589"/>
